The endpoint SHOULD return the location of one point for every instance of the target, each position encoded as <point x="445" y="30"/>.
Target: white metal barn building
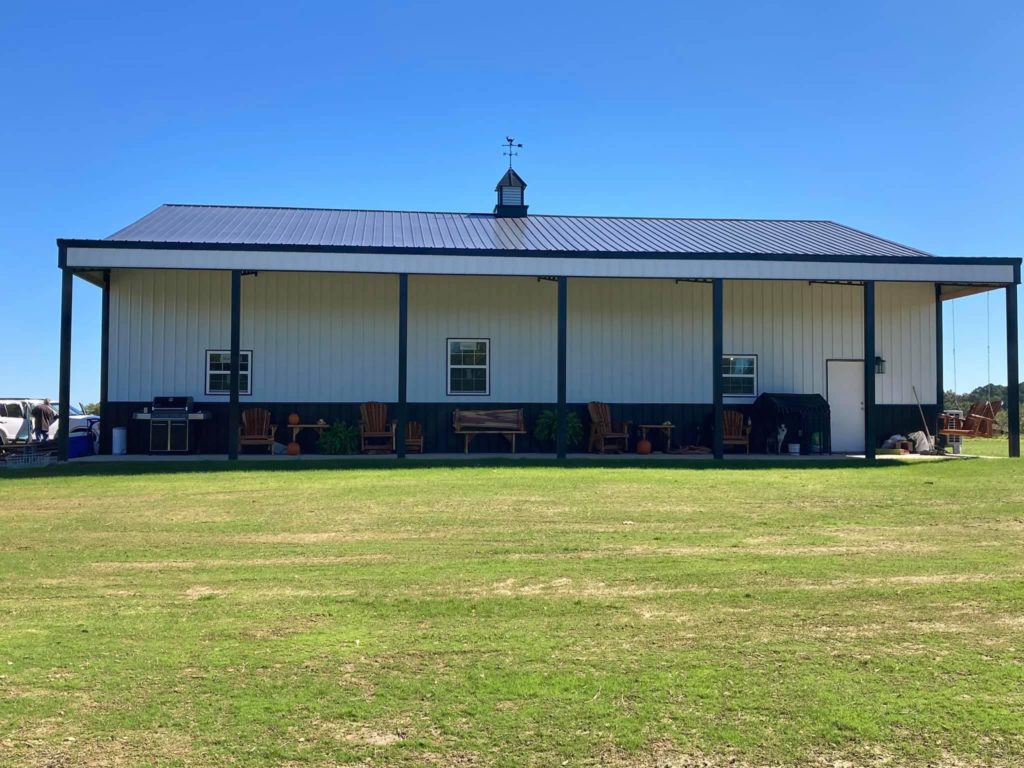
<point x="314" y="311"/>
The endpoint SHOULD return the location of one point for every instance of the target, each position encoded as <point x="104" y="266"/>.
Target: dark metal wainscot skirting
<point x="692" y="422"/>
<point x="901" y="419"/>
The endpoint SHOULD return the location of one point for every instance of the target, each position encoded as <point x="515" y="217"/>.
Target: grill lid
<point x="167" y="403"/>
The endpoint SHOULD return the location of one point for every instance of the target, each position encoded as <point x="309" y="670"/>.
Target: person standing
<point x="43" y="415"/>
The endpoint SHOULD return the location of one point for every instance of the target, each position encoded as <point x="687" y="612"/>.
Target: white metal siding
<point x="334" y="337"/>
<point x="795" y="327"/>
<point x="639" y="341"/>
<point x="315" y="338"/>
<point x="936" y="271"/>
<point x="518" y="315"/>
<point x="905" y="337"/>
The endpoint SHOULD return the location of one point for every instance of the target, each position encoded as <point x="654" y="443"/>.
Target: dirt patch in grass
<point x="170" y="565"/>
<point x="567" y="587"/>
<point x="888" y="581"/>
<point x="49" y="745"/>
<point x="199" y="592"/>
<point x="666" y="755"/>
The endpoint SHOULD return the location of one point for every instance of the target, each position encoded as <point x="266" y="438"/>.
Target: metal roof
<point x="454" y="232"/>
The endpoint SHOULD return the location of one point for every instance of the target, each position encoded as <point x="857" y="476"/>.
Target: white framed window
<point x="218" y="372"/>
<point x="469" y="363"/>
<point x="739" y="375"/>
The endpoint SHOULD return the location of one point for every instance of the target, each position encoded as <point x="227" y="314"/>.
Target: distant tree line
<point x="964" y="401"/>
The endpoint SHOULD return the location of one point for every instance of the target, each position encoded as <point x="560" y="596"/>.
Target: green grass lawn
<point x="515" y="616"/>
<point x="986" y="446"/>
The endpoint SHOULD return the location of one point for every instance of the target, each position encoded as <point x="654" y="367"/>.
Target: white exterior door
<point x="846" y="402"/>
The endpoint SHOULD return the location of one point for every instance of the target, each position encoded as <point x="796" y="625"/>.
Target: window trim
<point x="736" y="395"/>
<point x="226" y="393"/>
<point x="448" y="366"/>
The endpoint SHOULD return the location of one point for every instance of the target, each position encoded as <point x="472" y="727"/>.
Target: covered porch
<point x="662" y="360"/>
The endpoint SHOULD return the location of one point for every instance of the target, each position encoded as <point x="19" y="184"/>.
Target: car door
<point x="12" y="421"/>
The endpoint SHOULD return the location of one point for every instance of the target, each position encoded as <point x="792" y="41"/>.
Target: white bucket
<point x="119" y="441"/>
<point x="794" y="449"/>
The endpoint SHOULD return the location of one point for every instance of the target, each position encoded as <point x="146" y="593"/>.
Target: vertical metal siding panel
<point x="517" y="314"/>
<point x="129" y="370"/>
<point x="703" y="393"/>
<point x="162" y="338"/>
<point x="855" y="323"/>
<point x="141" y="375"/>
<point x="621" y="327"/>
<point x="320" y="344"/>
<point x="793" y="328"/>
<point x="817" y="336"/>
<point x="906" y="339"/>
<point x="119" y="320"/>
<point x="115" y="360"/>
<point x="808" y="359"/>
<point x="190" y="330"/>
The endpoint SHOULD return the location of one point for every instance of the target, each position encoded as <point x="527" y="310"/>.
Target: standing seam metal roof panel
<point x="453" y="232"/>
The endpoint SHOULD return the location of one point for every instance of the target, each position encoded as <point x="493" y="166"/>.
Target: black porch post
<point x="563" y="319"/>
<point x="64" y="394"/>
<point x="106" y="426"/>
<point x="940" y="391"/>
<point x="869" y="369"/>
<point x="717" y="334"/>
<point x="1012" y="373"/>
<point x="236" y="343"/>
<point x="401" y="416"/>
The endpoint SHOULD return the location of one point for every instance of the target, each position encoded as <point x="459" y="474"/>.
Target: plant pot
<point x="294" y="449"/>
<point x="643" y="447"/>
<point x="293" y="419"/>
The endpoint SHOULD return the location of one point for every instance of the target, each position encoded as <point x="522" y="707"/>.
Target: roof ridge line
<point x="487" y="214"/>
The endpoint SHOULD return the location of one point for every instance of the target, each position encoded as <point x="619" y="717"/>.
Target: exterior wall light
<point x="879" y="364"/>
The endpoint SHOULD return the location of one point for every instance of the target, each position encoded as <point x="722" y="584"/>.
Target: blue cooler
<point x="80" y="444"/>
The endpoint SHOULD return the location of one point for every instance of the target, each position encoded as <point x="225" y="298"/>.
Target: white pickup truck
<point x="16" y="420"/>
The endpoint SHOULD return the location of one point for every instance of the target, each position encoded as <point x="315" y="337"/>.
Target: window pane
<point x="738" y="385"/>
<point x="743" y="366"/>
<point x="219" y="383"/>
<point x="14" y="410"/>
<point x="468" y="380"/>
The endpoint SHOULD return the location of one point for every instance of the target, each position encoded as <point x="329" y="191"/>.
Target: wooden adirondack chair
<point x="605" y="434"/>
<point x="735" y="429"/>
<point x="375" y="432"/>
<point x="413" y="437"/>
<point x="256" y="429"/>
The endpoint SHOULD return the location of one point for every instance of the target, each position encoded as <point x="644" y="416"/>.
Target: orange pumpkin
<point x="293" y="419"/>
<point x="293" y="449"/>
<point x="643" y="447"/>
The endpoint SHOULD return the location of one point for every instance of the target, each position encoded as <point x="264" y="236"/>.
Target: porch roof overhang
<point x="958" y="275"/>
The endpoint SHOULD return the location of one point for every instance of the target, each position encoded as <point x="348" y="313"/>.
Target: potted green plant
<point x="339" y="438"/>
<point x="545" y="429"/>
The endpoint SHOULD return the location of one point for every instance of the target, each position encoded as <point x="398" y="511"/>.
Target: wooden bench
<point x="507" y="422"/>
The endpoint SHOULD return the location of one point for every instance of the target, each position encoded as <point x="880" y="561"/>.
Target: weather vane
<point x="511" y="144"/>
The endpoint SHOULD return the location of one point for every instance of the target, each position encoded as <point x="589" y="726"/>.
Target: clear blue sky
<point x="904" y="119"/>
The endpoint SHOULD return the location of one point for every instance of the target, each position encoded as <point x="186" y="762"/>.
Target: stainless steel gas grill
<point x="171" y="421"/>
